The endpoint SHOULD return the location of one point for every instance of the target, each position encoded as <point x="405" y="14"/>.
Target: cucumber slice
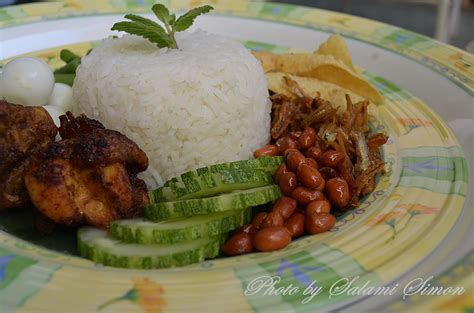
<point x="265" y="163"/>
<point x="230" y="201"/>
<point x="211" y="184"/>
<point x="95" y="245"/>
<point x="178" y="230"/>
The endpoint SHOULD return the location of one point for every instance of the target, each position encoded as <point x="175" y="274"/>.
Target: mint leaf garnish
<point x="162" y="37"/>
<point x="162" y="13"/>
<point x="154" y="34"/>
<point x="187" y="19"/>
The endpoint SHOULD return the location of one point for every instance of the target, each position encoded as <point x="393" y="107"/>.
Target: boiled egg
<point x="61" y="97"/>
<point x="55" y="113"/>
<point x="27" y="81"/>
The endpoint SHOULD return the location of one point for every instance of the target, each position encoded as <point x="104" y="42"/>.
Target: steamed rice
<point x="203" y="104"/>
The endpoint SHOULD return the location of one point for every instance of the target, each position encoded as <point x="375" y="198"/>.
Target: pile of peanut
<point x="311" y="185"/>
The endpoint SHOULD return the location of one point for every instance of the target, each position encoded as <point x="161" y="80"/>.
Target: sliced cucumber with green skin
<point x="211" y="184"/>
<point x="179" y="230"/>
<point x="265" y="163"/>
<point x="97" y="246"/>
<point x="237" y="200"/>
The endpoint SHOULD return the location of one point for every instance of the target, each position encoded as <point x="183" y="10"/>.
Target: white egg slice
<point x="27" y="81"/>
<point x="54" y="112"/>
<point x="61" y="97"/>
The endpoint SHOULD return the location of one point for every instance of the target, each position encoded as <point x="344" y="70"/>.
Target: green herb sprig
<point x="162" y="37"/>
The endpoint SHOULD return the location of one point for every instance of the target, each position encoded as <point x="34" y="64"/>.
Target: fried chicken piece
<point x="90" y="176"/>
<point x="23" y="131"/>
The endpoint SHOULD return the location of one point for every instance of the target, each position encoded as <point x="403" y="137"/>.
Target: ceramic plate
<point x="412" y="209"/>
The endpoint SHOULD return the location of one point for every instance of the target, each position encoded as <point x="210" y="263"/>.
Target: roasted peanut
<point x="338" y="192"/>
<point x="286" y="206"/>
<point x="331" y="158"/>
<point x="295" y="135"/>
<point x="300" y="210"/>
<point x="319" y="223"/>
<point x="311" y="162"/>
<point x="295" y="224"/>
<point x="238" y="244"/>
<point x="246" y="229"/>
<point x="288" y="183"/>
<point x="273" y="219"/>
<point x="268" y="150"/>
<point x="272" y="238"/>
<point x="307" y="138"/>
<point x="310" y="177"/>
<point x="318" y="206"/>
<point x="328" y="172"/>
<point x="314" y="153"/>
<point x="281" y="169"/>
<point x="287" y="151"/>
<point x="294" y="159"/>
<point x="304" y="195"/>
<point x="258" y="219"/>
<point x="286" y="143"/>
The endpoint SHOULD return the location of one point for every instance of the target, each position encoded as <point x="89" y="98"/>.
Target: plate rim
<point x="390" y="50"/>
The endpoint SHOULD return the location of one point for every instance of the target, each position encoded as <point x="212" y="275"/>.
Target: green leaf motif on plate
<point x="13" y="12"/>
<point x="4" y="15"/>
<point x="317" y="268"/>
<point x="261" y="46"/>
<point x="21" y="278"/>
<point x="387" y="88"/>
<point x="440" y="168"/>
<point x="11" y="266"/>
<point x="404" y="39"/>
<point x="278" y="10"/>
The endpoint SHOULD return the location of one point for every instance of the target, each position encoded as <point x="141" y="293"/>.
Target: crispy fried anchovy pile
<point x="348" y="133"/>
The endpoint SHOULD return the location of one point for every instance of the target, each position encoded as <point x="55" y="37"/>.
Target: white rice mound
<point x="203" y="104"/>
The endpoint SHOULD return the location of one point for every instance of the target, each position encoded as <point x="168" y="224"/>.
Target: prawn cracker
<point x="311" y="87"/>
<point x="337" y="47"/>
<point x="324" y="67"/>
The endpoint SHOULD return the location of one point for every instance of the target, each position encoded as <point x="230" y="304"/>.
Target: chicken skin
<point x="23" y="132"/>
<point x="90" y="176"/>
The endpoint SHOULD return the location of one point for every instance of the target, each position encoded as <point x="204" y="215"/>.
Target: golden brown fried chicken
<point x="23" y="131"/>
<point x="90" y="176"/>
